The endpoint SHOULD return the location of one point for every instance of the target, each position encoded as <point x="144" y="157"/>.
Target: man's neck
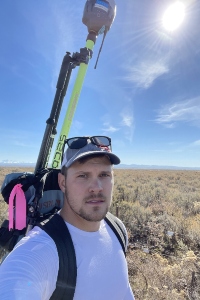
<point x="79" y="222"/>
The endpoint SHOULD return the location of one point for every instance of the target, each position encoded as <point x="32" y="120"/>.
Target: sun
<point x="174" y="16"/>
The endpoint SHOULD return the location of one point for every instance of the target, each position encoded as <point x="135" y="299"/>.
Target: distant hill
<point x="16" y="164"/>
<point x="121" y="166"/>
<point x="154" y="167"/>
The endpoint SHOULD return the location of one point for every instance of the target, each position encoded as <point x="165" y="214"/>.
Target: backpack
<point x="42" y="190"/>
<point x="42" y="198"/>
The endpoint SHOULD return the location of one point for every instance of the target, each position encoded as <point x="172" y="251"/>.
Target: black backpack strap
<point x="118" y="229"/>
<point x="67" y="273"/>
<point x="58" y="231"/>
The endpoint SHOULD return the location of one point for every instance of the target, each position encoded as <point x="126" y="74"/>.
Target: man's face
<point x="88" y="190"/>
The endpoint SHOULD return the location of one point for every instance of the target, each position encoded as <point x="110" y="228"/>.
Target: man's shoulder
<point x="37" y="235"/>
<point x="119" y="229"/>
<point x="118" y="221"/>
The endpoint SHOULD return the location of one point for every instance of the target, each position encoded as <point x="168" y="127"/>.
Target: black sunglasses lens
<point x="80" y="142"/>
<point x="77" y="143"/>
<point x="101" y="141"/>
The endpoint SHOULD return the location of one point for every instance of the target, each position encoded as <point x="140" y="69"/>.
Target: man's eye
<point x="82" y="176"/>
<point x="105" y="175"/>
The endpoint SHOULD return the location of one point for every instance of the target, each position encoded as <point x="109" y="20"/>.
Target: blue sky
<point x="144" y="94"/>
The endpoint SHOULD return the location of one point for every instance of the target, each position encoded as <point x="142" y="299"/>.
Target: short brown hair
<point x="83" y="160"/>
<point x="64" y="171"/>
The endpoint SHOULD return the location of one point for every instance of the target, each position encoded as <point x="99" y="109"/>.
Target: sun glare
<point x="173" y="16"/>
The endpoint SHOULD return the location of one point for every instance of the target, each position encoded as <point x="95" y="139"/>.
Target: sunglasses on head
<point x="80" y="142"/>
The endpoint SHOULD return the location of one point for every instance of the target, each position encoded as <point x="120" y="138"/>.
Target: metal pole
<point x="73" y="103"/>
<point x="50" y="130"/>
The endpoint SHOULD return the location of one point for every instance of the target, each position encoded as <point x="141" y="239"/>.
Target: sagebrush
<point x="161" y="210"/>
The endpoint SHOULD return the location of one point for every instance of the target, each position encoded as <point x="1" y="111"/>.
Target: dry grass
<point x="161" y="210"/>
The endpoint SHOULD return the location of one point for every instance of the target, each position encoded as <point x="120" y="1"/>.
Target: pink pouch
<point x="17" y="210"/>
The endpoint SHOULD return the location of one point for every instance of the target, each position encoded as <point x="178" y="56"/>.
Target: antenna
<point x="104" y="35"/>
<point x="98" y="16"/>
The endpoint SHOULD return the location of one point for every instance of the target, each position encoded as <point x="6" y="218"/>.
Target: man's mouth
<point x="96" y="201"/>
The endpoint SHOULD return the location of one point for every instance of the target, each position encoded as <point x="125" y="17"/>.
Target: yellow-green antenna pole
<point x="71" y="108"/>
<point x="98" y="16"/>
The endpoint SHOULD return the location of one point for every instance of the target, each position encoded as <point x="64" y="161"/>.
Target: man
<point x="86" y="180"/>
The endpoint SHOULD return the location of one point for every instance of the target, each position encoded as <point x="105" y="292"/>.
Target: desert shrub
<point x="151" y="274"/>
<point x="3" y="216"/>
<point x="161" y="210"/>
<point x="196" y="207"/>
<point x="132" y="213"/>
<point x="168" y="222"/>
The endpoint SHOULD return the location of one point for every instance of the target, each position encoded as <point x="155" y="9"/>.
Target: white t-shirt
<point x="30" y="270"/>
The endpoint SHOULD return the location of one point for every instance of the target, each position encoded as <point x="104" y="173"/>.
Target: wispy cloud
<point x="184" y="111"/>
<point x="21" y="144"/>
<point x="124" y="124"/>
<point x="195" y="144"/>
<point x="20" y="138"/>
<point x="170" y="125"/>
<point x="146" y="72"/>
<point x="18" y="145"/>
<point x="108" y="128"/>
<point x="76" y="125"/>
<point x="53" y="36"/>
<point x="127" y="119"/>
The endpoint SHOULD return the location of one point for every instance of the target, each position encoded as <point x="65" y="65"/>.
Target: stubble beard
<point x="97" y="213"/>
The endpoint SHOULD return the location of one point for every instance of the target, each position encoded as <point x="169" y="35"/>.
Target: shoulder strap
<point x="118" y="229"/>
<point x="58" y="231"/>
<point x="66" y="281"/>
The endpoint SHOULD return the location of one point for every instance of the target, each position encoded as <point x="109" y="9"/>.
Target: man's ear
<point x="61" y="182"/>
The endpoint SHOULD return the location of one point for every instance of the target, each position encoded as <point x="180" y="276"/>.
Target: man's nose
<point x="95" y="185"/>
